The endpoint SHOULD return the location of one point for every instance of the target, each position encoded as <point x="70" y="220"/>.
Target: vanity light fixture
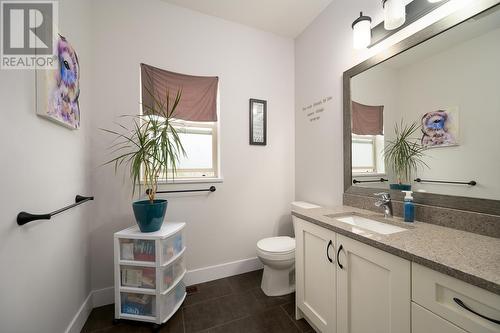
<point x="361" y="31"/>
<point x="394" y="13"/>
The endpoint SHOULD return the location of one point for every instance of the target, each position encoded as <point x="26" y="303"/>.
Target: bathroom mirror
<point x="425" y="115"/>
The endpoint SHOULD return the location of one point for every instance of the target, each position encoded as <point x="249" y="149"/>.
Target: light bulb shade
<point x="394" y="13"/>
<point x="361" y="32"/>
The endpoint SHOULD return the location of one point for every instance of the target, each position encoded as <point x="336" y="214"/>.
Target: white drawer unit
<point x="149" y="269"/>
<point x="471" y="308"/>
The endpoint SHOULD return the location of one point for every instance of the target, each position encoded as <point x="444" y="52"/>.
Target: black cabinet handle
<point x="330" y="243"/>
<point x="338" y="253"/>
<point x="462" y="304"/>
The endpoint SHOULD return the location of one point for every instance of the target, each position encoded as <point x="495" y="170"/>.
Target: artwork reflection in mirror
<point x="432" y="112"/>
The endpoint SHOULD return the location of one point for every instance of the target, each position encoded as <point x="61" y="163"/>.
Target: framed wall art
<point x="440" y="128"/>
<point x="58" y="89"/>
<point x="258" y="122"/>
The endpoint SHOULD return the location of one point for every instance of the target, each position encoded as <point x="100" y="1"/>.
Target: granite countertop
<point x="470" y="257"/>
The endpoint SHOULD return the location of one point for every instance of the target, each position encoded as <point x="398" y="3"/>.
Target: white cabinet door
<point x="373" y="290"/>
<point x="424" y="321"/>
<point x="315" y="274"/>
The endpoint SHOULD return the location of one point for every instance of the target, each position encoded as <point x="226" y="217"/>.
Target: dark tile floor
<point x="233" y="304"/>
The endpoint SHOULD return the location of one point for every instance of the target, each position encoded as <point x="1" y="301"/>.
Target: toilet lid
<point x="280" y="244"/>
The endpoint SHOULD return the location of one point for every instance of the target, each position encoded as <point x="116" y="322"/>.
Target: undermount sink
<point x="369" y="224"/>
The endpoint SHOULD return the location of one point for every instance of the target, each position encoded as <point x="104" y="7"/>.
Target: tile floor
<point x="234" y="304"/>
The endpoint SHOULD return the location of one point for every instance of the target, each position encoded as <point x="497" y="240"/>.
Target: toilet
<point x="277" y="254"/>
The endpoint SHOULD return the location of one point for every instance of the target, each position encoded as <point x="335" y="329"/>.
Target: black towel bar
<point x="381" y="180"/>
<point x="211" y="189"/>
<point x="23" y="217"/>
<point x="471" y="183"/>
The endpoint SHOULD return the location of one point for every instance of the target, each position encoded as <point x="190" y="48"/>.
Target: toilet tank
<point x="301" y="205"/>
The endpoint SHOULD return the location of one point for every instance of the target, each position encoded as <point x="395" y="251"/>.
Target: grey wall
<point x="322" y="53"/>
<point x="253" y="201"/>
<point x="45" y="265"/>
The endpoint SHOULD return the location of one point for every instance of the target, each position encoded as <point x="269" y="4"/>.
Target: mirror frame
<point x="487" y="206"/>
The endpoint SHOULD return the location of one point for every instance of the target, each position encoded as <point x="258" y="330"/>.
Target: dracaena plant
<point x="404" y="154"/>
<point x="150" y="146"/>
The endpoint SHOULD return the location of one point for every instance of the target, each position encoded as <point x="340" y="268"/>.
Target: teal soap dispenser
<point x="408" y="207"/>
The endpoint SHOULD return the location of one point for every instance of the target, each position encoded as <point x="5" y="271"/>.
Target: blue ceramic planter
<point x="149" y="216"/>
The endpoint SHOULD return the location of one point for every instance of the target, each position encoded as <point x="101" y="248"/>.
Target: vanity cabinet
<point x="373" y="289"/>
<point x="346" y="286"/>
<point x="367" y="290"/>
<point x="315" y="274"/>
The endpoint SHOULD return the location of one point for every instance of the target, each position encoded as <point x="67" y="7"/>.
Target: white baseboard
<point x="215" y="272"/>
<point x="81" y="316"/>
<point x="95" y="299"/>
<point x="106" y="296"/>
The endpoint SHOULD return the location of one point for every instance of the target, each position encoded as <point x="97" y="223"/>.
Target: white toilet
<point x="278" y="256"/>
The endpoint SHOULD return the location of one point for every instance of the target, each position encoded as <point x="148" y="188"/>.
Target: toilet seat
<point x="276" y="248"/>
<point x="278" y="245"/>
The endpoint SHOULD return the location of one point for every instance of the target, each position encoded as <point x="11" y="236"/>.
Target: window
<point x="199" y="140"/>
<point x="363" y="154"/>
<point x="196" y="123"/>
<point x="367" y="154"/>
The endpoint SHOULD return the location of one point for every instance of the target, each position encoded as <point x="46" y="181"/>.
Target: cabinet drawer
<point x="172" y="301"/>
<point x="142" y="252"/>
<point x="171" y="247"/>
<point x="133" y="277"/>
<point x="437" y="292"/>
<point x="139" y="250"/>
<point x="424" y="321"/>
<point x="146" y="307"/>
<point x="138" y="304"/>
<point x="172" y="273"/>
<point x="138" y="277"/>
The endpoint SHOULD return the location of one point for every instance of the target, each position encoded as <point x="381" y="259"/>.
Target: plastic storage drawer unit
<point x="149" y="272"/>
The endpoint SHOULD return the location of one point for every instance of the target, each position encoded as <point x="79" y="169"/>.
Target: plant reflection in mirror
<point x="404" y="155"/>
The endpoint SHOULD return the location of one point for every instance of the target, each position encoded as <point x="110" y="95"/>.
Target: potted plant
<point x="404" y="155"/>
<point x="150" y="148"/>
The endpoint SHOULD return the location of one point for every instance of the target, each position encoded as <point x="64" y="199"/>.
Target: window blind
<point x="198" y="101"/>
<point x="367" y="120"/>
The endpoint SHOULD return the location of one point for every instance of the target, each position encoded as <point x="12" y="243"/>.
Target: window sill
<point x="191" y="181"/>
<point x="361" y="175"/>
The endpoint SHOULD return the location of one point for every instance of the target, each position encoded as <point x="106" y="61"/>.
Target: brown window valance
<point x="199" y="93"/>
<point x="367" y="120"/>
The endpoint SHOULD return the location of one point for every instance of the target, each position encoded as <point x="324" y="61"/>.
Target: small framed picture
<point x="258" y="122"/>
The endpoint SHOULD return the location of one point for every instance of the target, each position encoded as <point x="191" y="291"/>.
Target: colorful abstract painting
<point x="58" y="89"/>
<point x="440" y="128"/>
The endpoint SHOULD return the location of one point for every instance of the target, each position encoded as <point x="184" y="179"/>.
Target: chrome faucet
<point x="385" y="202"/>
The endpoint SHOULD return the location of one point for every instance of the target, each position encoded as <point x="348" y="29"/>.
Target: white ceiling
<point x="284" y="17"/>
